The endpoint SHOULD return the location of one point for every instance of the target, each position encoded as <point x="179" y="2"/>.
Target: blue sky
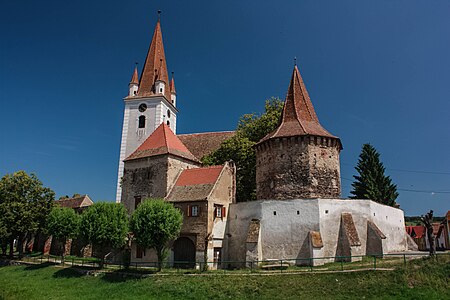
<point x="376" y="71"/>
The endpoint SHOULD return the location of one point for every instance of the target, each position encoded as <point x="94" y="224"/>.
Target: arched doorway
<point x="184" y="253"/>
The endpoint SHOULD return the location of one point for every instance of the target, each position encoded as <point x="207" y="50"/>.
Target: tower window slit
<point x="141" y="122"/>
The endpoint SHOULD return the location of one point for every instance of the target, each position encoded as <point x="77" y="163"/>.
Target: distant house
<point x="78" y="203"/>
<point x="76" y="247"/>
<point x="418" y="233"/>
<point x="444" y="233"/>
<point x="440" y="231"/>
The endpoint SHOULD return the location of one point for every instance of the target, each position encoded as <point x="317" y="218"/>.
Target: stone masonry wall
<point x="144" y="177"/>
<point x="298" y="167"/>
<point x="150" y="177"/>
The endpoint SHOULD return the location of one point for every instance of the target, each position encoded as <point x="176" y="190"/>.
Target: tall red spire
<point x="298" y="116"/>
<point x="155" y="67"/>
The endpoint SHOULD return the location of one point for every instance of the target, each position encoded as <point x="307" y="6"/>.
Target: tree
<point x="62" y="223"/>
<point x="372" y="183"/>
<point x="154" y="223"/>
<point x="240" y="148"/>
<point x="24" y="206"/>
<point x="4" y="235"/>
<point x="105" y="226"/>
<point x="427" y="220"/>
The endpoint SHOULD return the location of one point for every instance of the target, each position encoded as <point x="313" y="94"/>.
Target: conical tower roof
<point x="135" y="77"/>
<point x="172" y="85"/>
<point x="162" y="141"/>
<point x="298" y="117"/>
<point x="155" y="66"/>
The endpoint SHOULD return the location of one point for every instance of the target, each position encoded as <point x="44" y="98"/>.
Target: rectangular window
<point x="219" y="211"/>
<point x="141" y="122"/>
<point x="194" y="210"/>
<point x="137" y="201"/>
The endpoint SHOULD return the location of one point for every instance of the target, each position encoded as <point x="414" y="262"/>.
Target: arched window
<point x="141" y="122"/>
<point x="168" y="123"/>
<point x="168" y="113"/>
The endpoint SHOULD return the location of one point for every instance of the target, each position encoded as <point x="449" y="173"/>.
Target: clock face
<point x="142" y="107"/>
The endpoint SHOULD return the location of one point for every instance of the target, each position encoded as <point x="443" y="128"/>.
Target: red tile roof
<point x="199" y="176"/>
<point x="76" y="202"/>
<point x="194" y="184"/>
<point x="416" y="231"/>
<point x="135" y="77"/>
<point x="202" y="144"/>
<point x="162" y="141"/>
<point x="155" y="66"/>
<point x="298" y="116"/>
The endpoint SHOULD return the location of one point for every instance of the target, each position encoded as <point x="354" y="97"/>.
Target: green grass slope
<point x="421" y="279"/>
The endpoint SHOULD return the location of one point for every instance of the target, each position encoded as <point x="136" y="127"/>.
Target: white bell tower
<point x="150" y="102"/>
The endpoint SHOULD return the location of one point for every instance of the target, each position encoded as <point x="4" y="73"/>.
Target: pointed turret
<point x="154" y="76"/>
<point x="134" y="83"/>
<point x="298" y="117"/>
<point x="173" y="92"/>
<point x="299" y="159"/>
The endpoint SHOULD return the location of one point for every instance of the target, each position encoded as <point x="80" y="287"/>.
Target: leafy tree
<point x="371" y="182"/>
<point x="154" y="223"/>
<point x="105" y="226"/>
<point x="4" y="234"/>
<point x="62" y="223"/>
<point x="24" y="206"/>
<point x="240" y="148"/>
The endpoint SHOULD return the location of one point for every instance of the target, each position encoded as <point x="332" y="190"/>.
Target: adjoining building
<point x="298" y="215"/>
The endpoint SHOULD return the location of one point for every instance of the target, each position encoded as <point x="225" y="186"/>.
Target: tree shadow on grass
<point x="70" y="273"/>
<point x="126" y="275"/>
<point x="39" y="266"/>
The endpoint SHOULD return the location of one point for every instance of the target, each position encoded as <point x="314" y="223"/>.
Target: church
<point x="298" y="215"/>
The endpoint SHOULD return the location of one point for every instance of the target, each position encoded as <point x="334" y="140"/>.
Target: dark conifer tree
<point x="372" y="183"/>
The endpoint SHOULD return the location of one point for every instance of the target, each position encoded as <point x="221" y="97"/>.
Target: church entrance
<point x="184" y="253"/>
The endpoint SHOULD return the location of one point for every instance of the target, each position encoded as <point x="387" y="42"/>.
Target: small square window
<point x="326" y="211"/>
<point x="274" y="213"/>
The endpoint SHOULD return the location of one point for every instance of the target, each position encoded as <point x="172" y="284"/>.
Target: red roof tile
<point x="298" y="116"/>
<point x="155" y="66"/>
<point x="202" y="144"/>
<point x="135" y="77"/>
<point x="196" y="176"/>
<point x="162" y="141"/>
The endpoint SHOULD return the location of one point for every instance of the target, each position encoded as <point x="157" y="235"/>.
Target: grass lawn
<point x="422" y="279"/>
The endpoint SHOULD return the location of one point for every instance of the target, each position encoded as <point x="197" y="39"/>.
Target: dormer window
<point x="141" y="122"/>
